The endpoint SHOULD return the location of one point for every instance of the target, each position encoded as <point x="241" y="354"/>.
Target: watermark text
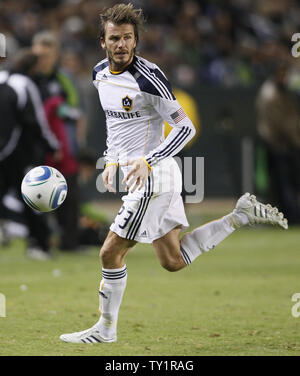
<point x="2" y="45"/>
<point x="2" y="305"/>
<point x="296" y="47"/>
<point x="296" y="307"/>
<point x="166" y="178"/>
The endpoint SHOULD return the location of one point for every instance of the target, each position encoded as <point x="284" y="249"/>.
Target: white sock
<point x="206" y="237"/>
<point x="111" y="290"/>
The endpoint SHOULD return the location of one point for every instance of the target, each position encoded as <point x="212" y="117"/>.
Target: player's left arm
<point x="163" y="101"/>
<point x="182" y="131"/>
<point x="138" y="175"/>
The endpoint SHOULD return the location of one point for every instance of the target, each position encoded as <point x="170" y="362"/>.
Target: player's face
<point x="119" y="43"/>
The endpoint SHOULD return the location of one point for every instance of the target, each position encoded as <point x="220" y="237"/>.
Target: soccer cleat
<point x="258" y="213"/>
<point x="91" y="335"/>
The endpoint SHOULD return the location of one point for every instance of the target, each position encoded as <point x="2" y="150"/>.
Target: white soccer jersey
<point x="136" y="102"/>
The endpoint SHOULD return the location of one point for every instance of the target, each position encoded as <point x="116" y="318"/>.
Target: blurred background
<point x="231" y="67"/>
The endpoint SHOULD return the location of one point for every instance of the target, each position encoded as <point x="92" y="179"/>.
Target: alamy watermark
<point x="296" y="307"/>
<point x="2" y="45"/>
<point x="296" y="47"/>
<point x="165" y="178"/>
<point x="2" y="305"/>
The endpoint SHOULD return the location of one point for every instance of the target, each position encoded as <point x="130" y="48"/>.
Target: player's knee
<point x="105" y="255"/>
<point x="171" y="265"/>
<point x="110" y="255"/>
<point x="107" y="250"/>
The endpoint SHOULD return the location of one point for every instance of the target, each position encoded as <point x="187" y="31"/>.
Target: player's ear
<point x="102" y="43"/>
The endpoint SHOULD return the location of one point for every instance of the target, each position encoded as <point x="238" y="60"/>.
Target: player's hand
<point x="138" y="174"/>
<point x="108" y="177"/>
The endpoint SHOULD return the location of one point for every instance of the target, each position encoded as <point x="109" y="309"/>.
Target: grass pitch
<point x="234" y="300"/>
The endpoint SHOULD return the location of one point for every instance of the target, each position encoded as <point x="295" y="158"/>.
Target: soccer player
<point x="137" y="97"/>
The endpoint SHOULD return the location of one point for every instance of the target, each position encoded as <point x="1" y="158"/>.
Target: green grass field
<point x="234" y="300"/>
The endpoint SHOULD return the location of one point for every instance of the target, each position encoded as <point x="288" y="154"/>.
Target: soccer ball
<point x="44" y="188"/>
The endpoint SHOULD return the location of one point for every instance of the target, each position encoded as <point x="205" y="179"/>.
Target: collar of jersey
<point x="128" y="67"/>
<point x="115" y="73"/>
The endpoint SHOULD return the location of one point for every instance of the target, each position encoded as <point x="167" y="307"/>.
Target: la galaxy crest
<point x="127" y="103"/>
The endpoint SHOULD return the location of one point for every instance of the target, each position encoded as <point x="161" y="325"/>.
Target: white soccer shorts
<point x="152" y="212"/>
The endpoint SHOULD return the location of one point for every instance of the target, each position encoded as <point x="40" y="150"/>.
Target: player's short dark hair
<point x="122" y="14"/>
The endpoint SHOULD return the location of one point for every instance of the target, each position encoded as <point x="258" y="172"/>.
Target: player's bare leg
<point x="114" y="251"/>
<point x="167" y="250"/>
<point x="112" y="287"/>
<point x="174" y="254"/>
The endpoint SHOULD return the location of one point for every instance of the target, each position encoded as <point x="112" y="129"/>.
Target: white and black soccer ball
<point x="44" y="188"/>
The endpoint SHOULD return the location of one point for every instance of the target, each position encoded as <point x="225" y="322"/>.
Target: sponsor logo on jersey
<point x="122" y="115"/>
<point x="127" y="103"/>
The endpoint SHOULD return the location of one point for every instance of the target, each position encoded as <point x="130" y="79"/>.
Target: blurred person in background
<point x="278" y="125"/>
<point x="65" y="115"/>
<point x="25" y="138"/>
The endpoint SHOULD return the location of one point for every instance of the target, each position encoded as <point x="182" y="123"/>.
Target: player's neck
<point x="117" y="68"/>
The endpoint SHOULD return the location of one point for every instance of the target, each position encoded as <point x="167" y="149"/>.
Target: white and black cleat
<point x="259" y="213"/>
<point x="91" y="335"/>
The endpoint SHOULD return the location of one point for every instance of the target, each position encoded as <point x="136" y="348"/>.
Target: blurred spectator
<point x="279" y="127"/>
<point x="65" y="115"/>
<point x="229" y="44"/>
<point x="23" y="127"/>
<point x="225" y="43"/>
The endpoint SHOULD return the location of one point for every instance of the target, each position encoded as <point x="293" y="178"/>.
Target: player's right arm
<point x="110" y="154"/>
<point x="111" y="166"/>
<point x="108" y="176"/>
